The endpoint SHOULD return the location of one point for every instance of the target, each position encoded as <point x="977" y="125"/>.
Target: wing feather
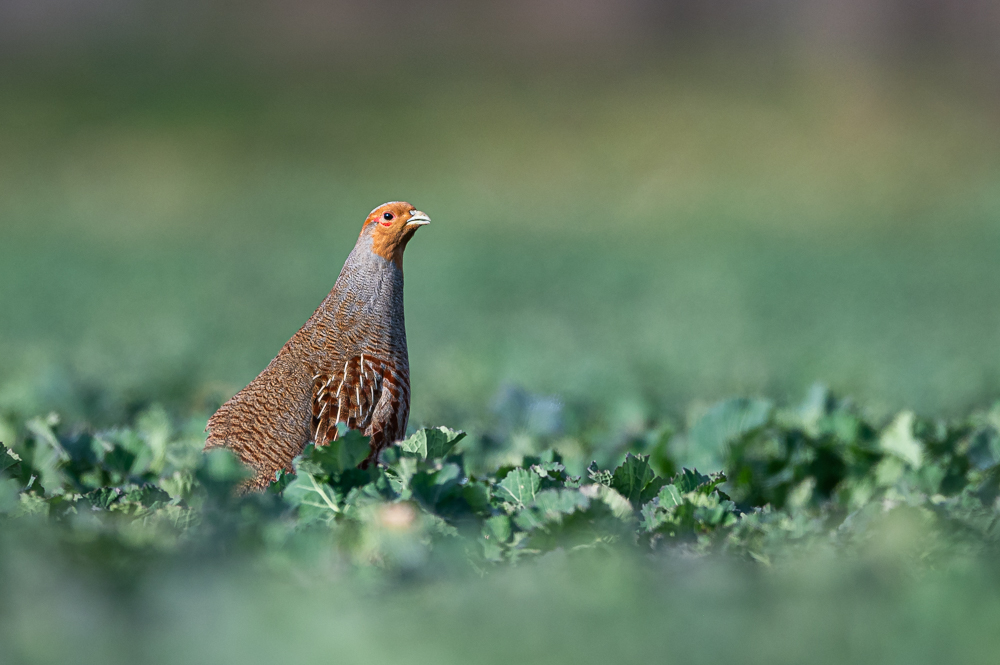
<point x="359" y="387"/>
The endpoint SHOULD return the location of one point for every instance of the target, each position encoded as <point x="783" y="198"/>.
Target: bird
<point x="347" y="365"/>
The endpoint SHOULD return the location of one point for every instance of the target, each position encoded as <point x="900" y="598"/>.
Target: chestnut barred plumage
<point x="348" y="364"/>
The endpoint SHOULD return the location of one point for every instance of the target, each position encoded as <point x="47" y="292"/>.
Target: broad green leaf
<point x="348" y="479"/>
<point x="519" y="487"/>
<point x="313" y="498"/>
<point x="349" y="450"/>
<point x="651" y="490"/>
<point x="669" y="496"/>
<point x="430" y="487"/>
<point x="632" y="476"/>
<point x="497" y="528"/>
<point x="635" y="479"/>
<point x="619" y="505"/>
<point x="553" y="504"/>
<point x="431" y="443"/>
<point x="689" y="480"/>
<point x="477" y="495"/>
<point x="385" y="485"/>
<point x="122" y="452"/>
<point x="550" y="507"/>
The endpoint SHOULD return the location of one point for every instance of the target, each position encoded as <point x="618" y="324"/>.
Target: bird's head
<point x="391" y="225"/>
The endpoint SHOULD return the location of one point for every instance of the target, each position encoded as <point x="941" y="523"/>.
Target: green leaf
<point x="632" y="476"/>
<point x="518" y="487"/>
<point x="635" y="479"/>
<point x="431" y="443"/>
<point x="619" y="505"/>
<point x="103" y="497"/>
<point x="550" y="508"/>
<point x="689" y="480"/>
<point x="477" y="495"/>
<point x="349" y="450"/>
<point x="495" y="534"/>
<point x="497" y="528"/>
<point x="551" y="505"/>
<point x="348" y="479"/>
<point x="651" y="490"/>
<point x="313" y="498"/>
<point x="670" y="496"/>
<point x="431" y="487"/>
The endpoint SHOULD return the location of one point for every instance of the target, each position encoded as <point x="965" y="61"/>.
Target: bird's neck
<point x="371" y="281"/>
<point x="367" y="258"/>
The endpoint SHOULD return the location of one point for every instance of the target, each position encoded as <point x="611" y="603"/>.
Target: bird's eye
<point x="387" y="216"/>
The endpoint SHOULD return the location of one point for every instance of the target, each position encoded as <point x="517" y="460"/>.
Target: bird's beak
<point x="418" y="218"/>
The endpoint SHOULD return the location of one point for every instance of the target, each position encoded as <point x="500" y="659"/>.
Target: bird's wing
<point x="346" y="393"/>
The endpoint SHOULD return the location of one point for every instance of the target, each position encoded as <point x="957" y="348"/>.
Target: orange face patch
<point x="391" y="234"/>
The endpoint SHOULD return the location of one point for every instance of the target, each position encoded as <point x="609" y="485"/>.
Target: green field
<point x="718" y="234"/>
<point x="614" y="250"/>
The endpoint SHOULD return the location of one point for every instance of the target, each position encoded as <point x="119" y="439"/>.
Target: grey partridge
<point x="348" y="364"/>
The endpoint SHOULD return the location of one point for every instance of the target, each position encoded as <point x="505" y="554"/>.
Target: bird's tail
<point x="266" y="424"/>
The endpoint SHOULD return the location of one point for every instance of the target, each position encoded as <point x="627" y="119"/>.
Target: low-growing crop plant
<point x="816" y="473"/>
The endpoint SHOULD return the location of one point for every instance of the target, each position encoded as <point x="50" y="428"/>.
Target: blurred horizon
<point x="308" y="29"/>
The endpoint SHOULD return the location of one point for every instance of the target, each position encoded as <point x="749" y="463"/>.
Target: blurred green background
<point x="638" y="208"/>
<point x="637" y="213"/>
